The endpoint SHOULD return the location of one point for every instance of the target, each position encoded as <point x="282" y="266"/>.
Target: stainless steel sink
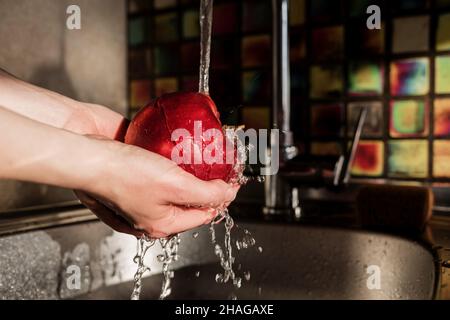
<point x="299" y="262"/>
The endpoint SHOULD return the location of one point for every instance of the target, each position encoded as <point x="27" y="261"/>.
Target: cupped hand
<point x="140" y="192"/>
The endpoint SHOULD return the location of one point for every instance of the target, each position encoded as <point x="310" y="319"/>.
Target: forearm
<point x="33" y="151"/>
<point x="55" y="109"/>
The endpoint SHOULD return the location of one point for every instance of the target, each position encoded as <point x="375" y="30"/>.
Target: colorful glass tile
<point x="326" y="81"/>
<point x="411" y="34"/>
<point x="256" y="51"/>
<point x="327" y="43"/>
<point x="166" y="59"/>
<point x="441" y="159"/>
<point x="369" y="159"/>
<point x="442" y="117"/>
<point x="256" y="117"/>
<point x="139" y="62"/>
<point x="166" y="27"/>
<point x="140" y="93"/>
<point x="408" y="158"/>
<point x="296" y="12"/>
<point x="408" y="118"/>
<point x="410" y="77"/>
<point x="442" y="74"/>
<point x="165" y="85"/>
<point x="373" y="125"/>
<point x="191" y="24"/>
<point x="256" y="86"/>
<point x="365" y="78"/>
<point x="443" y="33"/>
<point x="225" y="18"/>
<point x="136" y="31"/>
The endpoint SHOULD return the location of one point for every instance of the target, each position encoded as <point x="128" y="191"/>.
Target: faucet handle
<point x="345" y="162"/>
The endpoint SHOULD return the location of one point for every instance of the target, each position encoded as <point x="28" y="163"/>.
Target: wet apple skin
<point x="153" y="125"/>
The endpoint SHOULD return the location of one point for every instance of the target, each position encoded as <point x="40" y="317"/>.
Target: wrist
<point x="101" y="167"/>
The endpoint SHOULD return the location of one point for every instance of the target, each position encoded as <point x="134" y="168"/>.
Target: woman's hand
<point x="148" y="191"/>
<point x="142" y="192"/>
<point x="58" y="111"/>
<point x="46" y="136"/>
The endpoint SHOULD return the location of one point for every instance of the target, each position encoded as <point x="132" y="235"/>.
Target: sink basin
<point x="298" y="262"/>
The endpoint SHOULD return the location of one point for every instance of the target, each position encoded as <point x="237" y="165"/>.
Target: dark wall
<point x="87" y="64"/>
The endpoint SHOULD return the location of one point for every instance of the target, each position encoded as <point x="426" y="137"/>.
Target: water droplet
<point x="219" y="278"/>
<point x="260" y="249"/>
<point x="237" y="282"/>
<point x="260" y="179"/>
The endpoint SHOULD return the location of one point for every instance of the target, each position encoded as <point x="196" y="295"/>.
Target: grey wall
<point x="87" y="64"/>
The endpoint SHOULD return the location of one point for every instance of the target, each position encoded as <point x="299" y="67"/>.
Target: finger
<point x="178" y="220"/>
<point x="107" y="215"/>
<point x="192" y="191"/>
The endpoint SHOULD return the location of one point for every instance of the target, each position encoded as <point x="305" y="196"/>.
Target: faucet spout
<point x="277" y="191"/>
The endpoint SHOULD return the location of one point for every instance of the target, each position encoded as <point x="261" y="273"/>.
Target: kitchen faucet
<point x="281" y="190"/>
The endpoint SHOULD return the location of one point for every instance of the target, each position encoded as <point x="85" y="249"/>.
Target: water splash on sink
<point x="170" y="253"/>
<point x="143" y="244"/>
<point x="225" y="252"/>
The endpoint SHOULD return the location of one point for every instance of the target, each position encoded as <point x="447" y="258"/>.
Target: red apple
<point x="154" y="124"/>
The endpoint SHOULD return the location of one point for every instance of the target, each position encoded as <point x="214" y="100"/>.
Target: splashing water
<point x="225" y="253"/>
<point x="143" y="244"/>
<point x="170" y="246"/>
<point x="170" y="254"/>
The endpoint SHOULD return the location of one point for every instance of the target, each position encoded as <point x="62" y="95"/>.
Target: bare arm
<point x="33" y="151"/>
<point x="47" y="138"/>
<point x="151" y="192"/>
<point x="55" y="109"/>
